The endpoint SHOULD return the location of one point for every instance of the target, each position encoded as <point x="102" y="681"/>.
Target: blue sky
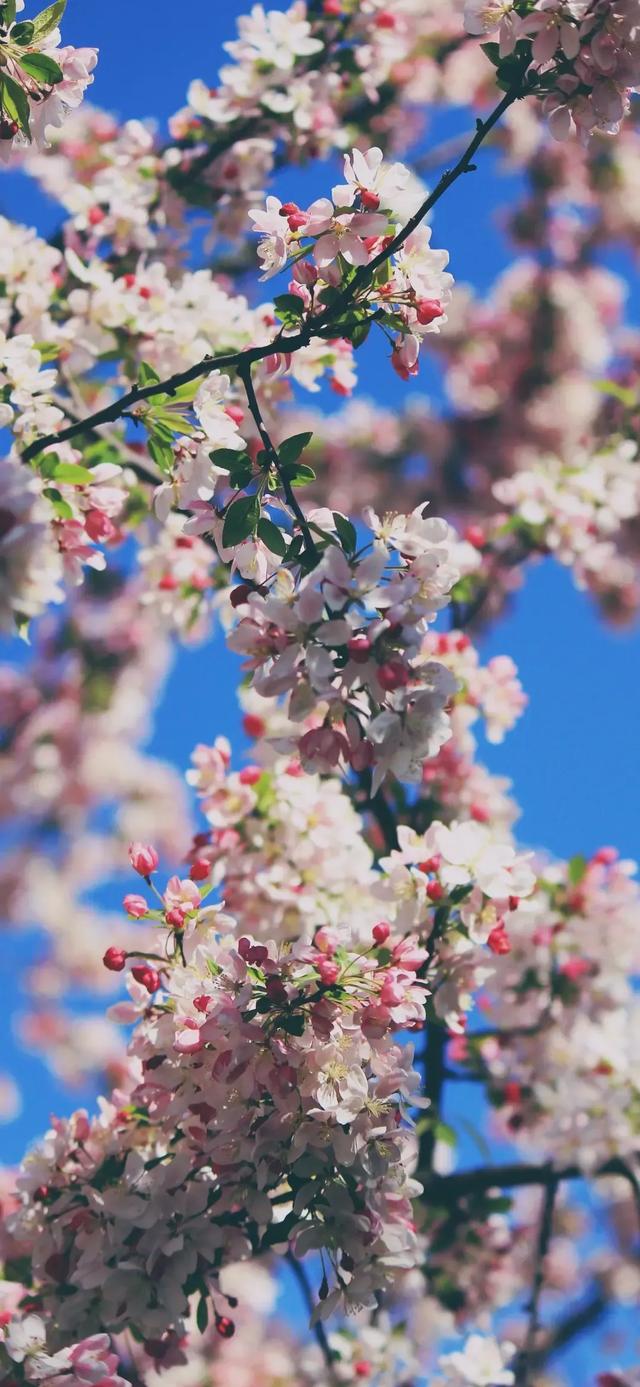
<point x="575" y="756"/>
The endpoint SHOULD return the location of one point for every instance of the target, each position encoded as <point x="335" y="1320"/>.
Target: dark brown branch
<point x="544" y="1239"/>
<point x="515" y="1175"/>
<point x="316" y="326"/>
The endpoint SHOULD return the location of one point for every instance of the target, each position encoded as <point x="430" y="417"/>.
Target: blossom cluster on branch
<point x="353" y="929"/>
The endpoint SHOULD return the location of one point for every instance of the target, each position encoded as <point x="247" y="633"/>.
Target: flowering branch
<point x="316" y="325"/>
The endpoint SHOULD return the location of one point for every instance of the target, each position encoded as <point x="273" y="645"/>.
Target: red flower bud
<point x="359" y="647"/>
<point x="225" y="1327"/>
<point x="369" y="199"/>
<point x="381" y="932"/>
<point x="499" y="941"/>
<point x="114" y="959"/>
<point x="393" y="675"/>
<point x="435" y="891"/>
<point x="428" y="310"/>
<point x="200" y="869"/>
<point x="146" y="975"/>
<point x="253" y="725"/>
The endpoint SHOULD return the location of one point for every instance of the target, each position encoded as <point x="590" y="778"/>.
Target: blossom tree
<point x="350" y="927"/>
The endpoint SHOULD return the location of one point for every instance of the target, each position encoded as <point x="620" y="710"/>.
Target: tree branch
<point x="544" y="1240"/>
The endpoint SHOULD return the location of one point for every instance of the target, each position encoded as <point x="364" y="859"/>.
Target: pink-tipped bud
<point x="499" y="941"/>
<point x="146" y="975"/>
<point x="393" y="675"/>
<point x="253" y="725"/>
<point x="428" y="310"/>
<point x="143" y="858"/>
<point x="250" y="775"/>
<point x="297" y="220"/>
<point x="114" y="959"/>
<point x="99" y="527"/>
<point x="359" y="647"/>
<point x="175" y="917"/>
<point x="288" y="209"/>
<point x="475" y="535"/>
<point x="435" y="891"/>
<point x="381" y="932"/>
<point x="200" y="869"/>
<point x="326" y="940"/>
<point x="369" y="199"/>
<point x="136" y="907"/>
<point x="328" y="970"/>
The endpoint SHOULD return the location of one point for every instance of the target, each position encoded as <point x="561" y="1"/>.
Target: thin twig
<point x="272" y="453"/>
<point x="318" y="325"/>
<point x="318" y="1328"/>
<point x="544" y="1240"/>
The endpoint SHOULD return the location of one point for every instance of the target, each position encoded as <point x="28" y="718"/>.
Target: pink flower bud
<point x="328" y="970"/>
<point x="393" y="674"/>
<point x="143" y="858"/>
<point x="114" y="959"/>
<point x="136" y="907"/>
<point x="200" y="869"/>
<point x="145" y="974"/>
<point x="428" y="310"/>
<point x="369" y="199"/>
<point x="99" y="527"/>
<point x="175" y="917"/>
<point x="359" y="647"/>
<point x="499" y="941"/>
<point x="250" y="775"/>
<point x="381" y="932"/>
<point x="435" y="891"/>
<point x="326" y="940"/>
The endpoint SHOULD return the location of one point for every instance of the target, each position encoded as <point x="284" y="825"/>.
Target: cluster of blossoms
<point x="584" y="54"/>
<point x="265" y="1108"/>
<point x="333" y="237"/>
<point x="345" y="646"/>
<point x="41" y="81"/>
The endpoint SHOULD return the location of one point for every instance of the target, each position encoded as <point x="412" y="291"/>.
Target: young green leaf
<point x="15" y="102"/>
<point x="40" y="66"/>
<point x="290" y="450"/>
<point x="346" y="532"/>
<point x="71" y="472"/>
<point x="23" y="32"/>
<point x="147" y="375"/>
<point x="241" y="520"/>
<point x="272" y="537"/>
<point x="48" y="19"/>
<point x="162" y="452"/>
<point x="298" y="474"/>
<point x="227" y="458"/>
<point x="8" y="12"/>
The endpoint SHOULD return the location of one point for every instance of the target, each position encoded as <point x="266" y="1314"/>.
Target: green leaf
<point x="623" y="393"/>
<point x="8" y="12"/>
<point x="71" y="472"/>
<point x="62" y="508"/>
<point x="576" y="868"/>
<point x="202" y="1314"/>
<point x="48" y="19"/>
<point x="272" y="537"/>
<point x="359" y="333"/>
<point x="492" y="51"/>
<point x="22" y="627"/>
<point x="346" y="532"/>
<point x="290" y="449"/>
<point x="162" y="452"/>
<point x="241" y="520"/>
<point x="147" y="375"/>
<point x="22" y="33"/>
<point x="288" y="306"/>
<point x="41" y="67"/>
<point x="298" y="474"/>
<point x="15" y="102"/>
<point x="226" y="458"/>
